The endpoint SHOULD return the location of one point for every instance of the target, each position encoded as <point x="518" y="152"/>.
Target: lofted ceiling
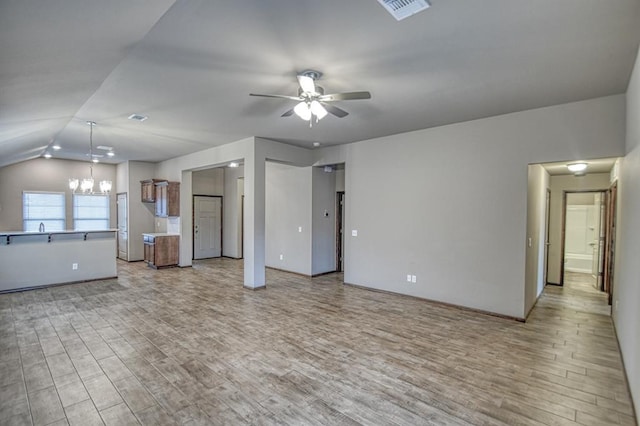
<point x="189" y="65"/>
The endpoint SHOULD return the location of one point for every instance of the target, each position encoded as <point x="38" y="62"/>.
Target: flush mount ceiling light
<point x="47" y="156"/>
<point x="312" y="102"/>
<point x="86" y="185"/>
<point x="577" y="167"/>
<point x="233" y="164"/>
<point x="138" y="117"/>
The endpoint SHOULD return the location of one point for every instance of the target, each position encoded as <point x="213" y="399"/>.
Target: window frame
<point x="62" y="219"/>
<point x="106" y="219"/>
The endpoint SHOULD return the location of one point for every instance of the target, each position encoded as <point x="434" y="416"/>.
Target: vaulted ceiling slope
<point x="189" y="66"/>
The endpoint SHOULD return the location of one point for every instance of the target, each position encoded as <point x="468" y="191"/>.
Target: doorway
<point x="340" y="231"/>
<point x="610" y="240"/>
<point x="207" y="226"/>
<point x="123" y="232"/>
<point x="583" y="243"/>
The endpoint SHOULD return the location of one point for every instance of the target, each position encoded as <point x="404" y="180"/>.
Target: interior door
<point x="340" y="231"/>
<point x="207" y="227"/>
<point x="123" y="232"/>
<point x="547" y="217"/>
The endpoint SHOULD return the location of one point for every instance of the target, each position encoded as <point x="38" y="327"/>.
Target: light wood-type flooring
<point x="191" y="346"/>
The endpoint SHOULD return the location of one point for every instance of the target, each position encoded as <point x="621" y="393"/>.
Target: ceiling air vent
<point x="401" y="9"/>
<point x="137" y="117"/>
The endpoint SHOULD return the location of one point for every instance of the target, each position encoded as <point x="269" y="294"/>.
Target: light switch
<point x="530" y="242"/>
<point x="354" y="232"/>
<point x="299" y="228"/>
<point x="413" y="278"/>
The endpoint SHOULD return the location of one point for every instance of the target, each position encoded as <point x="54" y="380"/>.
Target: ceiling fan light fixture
<point x="303" y="111"/>
<point x="318" y="110"/>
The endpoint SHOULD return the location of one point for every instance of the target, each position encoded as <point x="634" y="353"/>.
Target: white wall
<point x="48" y="175"/>
<point x="538" y="183"/>
<point x="208" y="182"/>
<point x="626" y="290"/>
<point x="288" y="217"/>
<point x="230" y="219"/>
<point x="323" y="218"/>
<point x="451" y="206"/>
<point x="559" y="184"/>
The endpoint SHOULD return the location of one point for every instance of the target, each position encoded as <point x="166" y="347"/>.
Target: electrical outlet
<point x="74" y="266"/>
<point x="354" y="232"/>
<point x="299" y="228"/>
<point x="282" y="257"/>
<point x="617" y="304"/>
<point x="409" y="278"/>
<point x="413" y="279"/>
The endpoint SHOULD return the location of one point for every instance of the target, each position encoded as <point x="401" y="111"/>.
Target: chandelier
<point x="86" y="185"/>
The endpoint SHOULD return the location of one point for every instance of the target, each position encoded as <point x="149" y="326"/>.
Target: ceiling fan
<point x="312" y="102"/>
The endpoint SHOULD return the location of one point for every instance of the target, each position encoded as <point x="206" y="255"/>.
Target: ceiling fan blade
<point x="306" y="84"/>
<point x="288" y="113"/>
<point x="347" y="96"/>
<point x="340" y="113"/>
<point x="293" y="98"/>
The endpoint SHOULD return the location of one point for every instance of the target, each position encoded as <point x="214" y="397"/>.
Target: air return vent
<point x="401" y="9"/>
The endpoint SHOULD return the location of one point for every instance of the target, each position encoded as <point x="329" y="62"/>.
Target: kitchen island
<point x="36" y="259"/>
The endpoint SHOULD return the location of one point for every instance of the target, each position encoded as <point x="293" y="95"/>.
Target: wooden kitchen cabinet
<point x="148" y="190"/>
<point x="161" y="250"/>
<point x="167" y="196"/>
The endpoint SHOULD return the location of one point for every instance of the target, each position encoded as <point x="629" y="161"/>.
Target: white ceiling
<point x="190" y="64"/>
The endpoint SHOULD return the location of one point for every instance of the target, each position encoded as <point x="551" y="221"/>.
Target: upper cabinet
<point x="148" y="190"/>
<point x="167" y="196"/>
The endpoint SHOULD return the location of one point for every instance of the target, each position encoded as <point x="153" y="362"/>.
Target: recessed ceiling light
<point x="137" y="117"/>
<point x="316" y="144"/>
<point x="111" y="153"/>
<point x="104" y="147"/>
<point x="577" y="167"/>
<point x="56" y="147"/>
<point x="47" y="156"/>
<point x="95" y="160"/>
<point x="233" y="164"/>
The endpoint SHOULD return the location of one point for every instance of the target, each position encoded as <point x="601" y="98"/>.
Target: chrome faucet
<point x="41" y="228"/>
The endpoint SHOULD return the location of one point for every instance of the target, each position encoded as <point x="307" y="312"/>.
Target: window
<point x="45" y="208"/>
<point x="90" y="212"/>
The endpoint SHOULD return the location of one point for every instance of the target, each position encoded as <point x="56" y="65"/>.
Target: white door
<point x="123" y="233"/>
<point x="207" y="227"/>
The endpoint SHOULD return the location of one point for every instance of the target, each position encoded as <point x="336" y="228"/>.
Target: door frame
<point x="547" y="232"/>
<point x="610" y="240"/>
<point x="339" y="231"/>
<point x="193" y="224"/>
<point x="564" y="222"/>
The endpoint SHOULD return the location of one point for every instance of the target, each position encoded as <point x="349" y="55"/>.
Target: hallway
<point x="191" y="346"/>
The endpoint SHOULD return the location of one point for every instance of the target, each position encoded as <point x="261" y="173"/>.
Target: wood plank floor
<point x="191" y="346"/>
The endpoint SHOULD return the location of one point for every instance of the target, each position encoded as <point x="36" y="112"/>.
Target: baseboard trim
<point x="40" y="287"/>
<point x="288" y="272"/>
<point x="437" y="302"/>
<point x="262" y="287"/>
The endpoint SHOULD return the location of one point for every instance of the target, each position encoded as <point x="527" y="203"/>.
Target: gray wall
<point x="626" y="289"/>
<point x="559" y="184"/>
<point x="538" y="182"/>
<point x="288" y="217"/>
<point x="48" y="175"/>
<point x="208" y="182"/>
<point x="451" y="208"/>
<point x="231" y="222"/>
<point x="323" y="249"/>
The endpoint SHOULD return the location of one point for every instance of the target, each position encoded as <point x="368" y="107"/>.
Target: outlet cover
<point x="408" y="278"/>
<point x="299" y="228"/>
<point x="354" y="232"/>
<point x="413" y="278"/>
<point x="282" y="257"/>
<point x="74" y="266"/>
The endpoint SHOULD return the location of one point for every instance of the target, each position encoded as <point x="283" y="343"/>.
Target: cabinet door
<point x="173" y="199"/>
<point x="161" y="200"/>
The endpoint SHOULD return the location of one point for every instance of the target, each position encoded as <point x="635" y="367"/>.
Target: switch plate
<point x="413" y="279"/>
<point x="409" y="278"/>
<point x="354" y="232"/>
<point x="282" y="257"/>
<point x="299" y="228"/>
<point x="74" y="266"/>
<point x="530" y="242"/>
